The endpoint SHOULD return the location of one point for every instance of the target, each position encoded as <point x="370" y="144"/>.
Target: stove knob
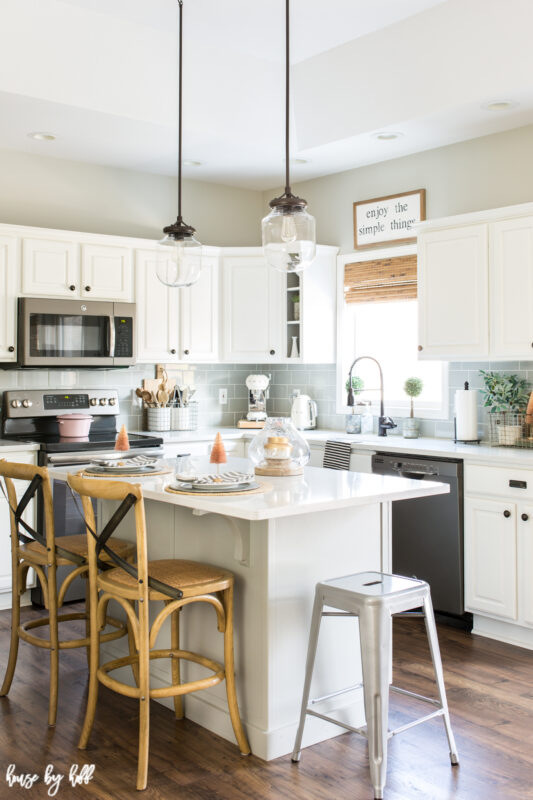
<point x="27" y="403"/>
<point x="112" y="401"/>
<point x="16" y="404"/>
<point x="103" y="401"/>
<point x="93" y="401"/>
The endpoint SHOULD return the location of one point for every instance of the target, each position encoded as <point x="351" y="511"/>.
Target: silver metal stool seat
<point x="373" y="597"/>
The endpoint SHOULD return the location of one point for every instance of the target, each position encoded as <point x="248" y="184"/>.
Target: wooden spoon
<point x="144" y="395"/>
<point x="163" y="397"/>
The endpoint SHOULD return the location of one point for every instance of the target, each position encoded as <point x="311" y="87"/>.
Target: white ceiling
<point x="102" y="76"/>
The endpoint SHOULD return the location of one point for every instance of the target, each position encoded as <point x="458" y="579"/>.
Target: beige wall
<point x="55" y="193"/>
<point x="483" y="173"/>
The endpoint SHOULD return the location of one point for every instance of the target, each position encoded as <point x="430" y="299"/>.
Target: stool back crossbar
<point x="373" y="598"/>
<point x="135" y="593"/>
<point x="38" y="550"/>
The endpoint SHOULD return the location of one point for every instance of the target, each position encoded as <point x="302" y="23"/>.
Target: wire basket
<point x="184" y="418"/>
<point x="510" y="430"/>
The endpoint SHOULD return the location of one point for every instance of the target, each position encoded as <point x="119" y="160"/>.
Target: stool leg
<point x="94" y="659"/>
<point x="54" y="645"/>
<point x="176" y="671"/>
<point x="433" y="640"/>
<point x="144" y="698"/>
<point x="132" y="648"/>
<point x="316" y="619"/>
<point x="88" y="617"/>
<point x="376" y="648"/>
<point x="229" y="668"/>
<point x="15" y="622"/>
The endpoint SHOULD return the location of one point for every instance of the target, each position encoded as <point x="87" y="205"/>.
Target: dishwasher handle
<point x="413" y="473"/>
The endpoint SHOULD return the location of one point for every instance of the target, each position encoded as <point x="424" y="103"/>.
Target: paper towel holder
<point x="462" y="441"/>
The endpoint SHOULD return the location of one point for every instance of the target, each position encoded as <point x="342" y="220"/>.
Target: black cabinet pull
<point x="72" y="287"/>
<point x="173" y="351"/>
<point x="525" y="517"/>
<point x="272" y="352"/>
<point x="186" y="352"/>
<point x="518" y="484"/>
<point x="11" y="349"/>
<point x="87" y="288"/>
<point x="506" y="513"/>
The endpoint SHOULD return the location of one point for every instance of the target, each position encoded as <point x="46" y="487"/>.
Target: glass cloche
<point x="279" y="449"/>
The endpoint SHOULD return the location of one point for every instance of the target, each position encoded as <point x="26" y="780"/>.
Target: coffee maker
<point x="257" y="386"/>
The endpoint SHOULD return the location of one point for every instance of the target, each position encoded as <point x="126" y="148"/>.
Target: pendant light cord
<point x="180" y="72"/>
<point x="287" y="90"/>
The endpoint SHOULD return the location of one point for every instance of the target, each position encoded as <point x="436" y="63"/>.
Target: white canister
<point x="158" y="419"/>
<point x="180" y="418"/>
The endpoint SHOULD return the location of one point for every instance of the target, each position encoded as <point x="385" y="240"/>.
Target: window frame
<point x="442" y="412"/>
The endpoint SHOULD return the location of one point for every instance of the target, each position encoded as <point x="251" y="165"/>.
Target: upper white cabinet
<point x="176" y="325"/>
<point x="9" y="289"/>
<point x="475" y="275"/>
<point x="253" y="298"/>
<point x="511" y="288"/>
<point x="106" y="272"/>
<point x="453" y="293"/>
<point x="50" y="268"/>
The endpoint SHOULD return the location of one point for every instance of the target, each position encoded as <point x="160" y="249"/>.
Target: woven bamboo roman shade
<point x="380" y="281"/>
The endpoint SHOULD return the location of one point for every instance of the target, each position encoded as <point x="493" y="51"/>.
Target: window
<point x="387" y="331"/>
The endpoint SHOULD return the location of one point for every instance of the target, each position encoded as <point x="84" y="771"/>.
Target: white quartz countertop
<point x="8" y="444"/>
<point x="424" y="446"/>
<point x="317" y="490"/>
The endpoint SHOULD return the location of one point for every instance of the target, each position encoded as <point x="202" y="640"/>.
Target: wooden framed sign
<point x="388" y="219"/>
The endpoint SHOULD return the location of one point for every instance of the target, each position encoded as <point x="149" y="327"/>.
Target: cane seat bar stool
<point x="177" y="583"/>
<point x="373" y="597"/>
<point x="40" y="551"/>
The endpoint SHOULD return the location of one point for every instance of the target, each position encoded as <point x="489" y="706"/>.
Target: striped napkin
<point x="337" y="454"/>
<point x="140" y="460"/>
<point x="224" y="477"/>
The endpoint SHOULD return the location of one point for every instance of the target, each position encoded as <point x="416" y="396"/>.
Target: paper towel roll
<point x="466" y="415"/>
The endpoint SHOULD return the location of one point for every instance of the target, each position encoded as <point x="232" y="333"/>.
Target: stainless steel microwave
<point x="75" y="333"/>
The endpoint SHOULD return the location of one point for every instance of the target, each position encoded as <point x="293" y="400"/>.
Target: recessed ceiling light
<point x="500" y="105"/>
<point x="299" y="161"/>
<point x="42" y="136"/>
<point x="192" y="163"/>
<point x="387" y="136"/>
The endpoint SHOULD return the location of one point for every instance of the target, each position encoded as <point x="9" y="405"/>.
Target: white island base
<point x="278" y="545"/>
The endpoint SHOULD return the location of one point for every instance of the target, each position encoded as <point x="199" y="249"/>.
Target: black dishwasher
<point x="427" y="533"/>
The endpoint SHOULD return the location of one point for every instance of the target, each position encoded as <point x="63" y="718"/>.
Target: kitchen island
<point x="278" y="544"/>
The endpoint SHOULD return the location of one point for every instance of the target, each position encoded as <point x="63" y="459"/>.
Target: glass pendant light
<point x="179" y="257"/>
<point x="289" y="239"/>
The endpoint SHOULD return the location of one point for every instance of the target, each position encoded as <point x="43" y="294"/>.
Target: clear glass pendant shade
<point x="289" y="239"/>
<point x="179" y="261"/>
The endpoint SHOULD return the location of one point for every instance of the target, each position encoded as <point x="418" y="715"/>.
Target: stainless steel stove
<point x="29" y="415"/>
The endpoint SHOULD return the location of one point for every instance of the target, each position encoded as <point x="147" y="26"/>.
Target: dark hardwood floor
<point x="490" y="692"/>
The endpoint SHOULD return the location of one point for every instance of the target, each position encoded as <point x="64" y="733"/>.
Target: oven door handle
<point x="111" y="337"/>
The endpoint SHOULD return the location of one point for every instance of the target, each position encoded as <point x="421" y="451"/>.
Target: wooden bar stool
<point x="36" y="550"/>
<point x="175" y="582"/>
<point x="374" y="597"/>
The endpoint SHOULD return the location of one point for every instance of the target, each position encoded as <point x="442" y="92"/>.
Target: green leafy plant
<point x="413" y="388"/>
<point x="504" y="393"/>
<point x="358" y="384"/>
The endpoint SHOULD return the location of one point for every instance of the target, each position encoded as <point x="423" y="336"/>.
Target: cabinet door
<point x="8" y="298"/>
<point x="511" y="288"/>
<point x="490" y="558"/>
<point x="525" y="564"/>
<point x="50" y="268"/>
<point x="157" y="313"/>
<point x="106" y="272"/>
<point x="199" y="315"/>
<point x="252" y="312"/>
<point x="453" y="293"/>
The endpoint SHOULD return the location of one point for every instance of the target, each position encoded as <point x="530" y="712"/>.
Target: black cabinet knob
<point x="272" y="352"/>
<point x="11" y="349"/>
<point x="173" y="351"/>
<point x="72" y="287"/>
<point x="525" y="517"/>
<point x="506" y="513"/>
<point x="186" y="352"/>
<point x="87" y="288"/>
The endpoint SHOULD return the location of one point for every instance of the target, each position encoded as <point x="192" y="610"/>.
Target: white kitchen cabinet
<point x="525" y="563"/>
<point x="106" y="272"/>
<point x="252" y="319"/>
<point x="157" y="313"/>
<point x="9" y="289"/>
<point x="511" y="288"/>
<point x="453" y="298"/>
<point x="490" y="557"/>
<point x="50" y="267"/>
<point x="199" y="315"/>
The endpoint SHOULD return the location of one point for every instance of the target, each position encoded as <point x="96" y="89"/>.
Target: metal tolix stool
<point x="374" y="597"/>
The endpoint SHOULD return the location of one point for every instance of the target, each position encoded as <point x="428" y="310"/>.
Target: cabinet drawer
<point x="516" y="484"/>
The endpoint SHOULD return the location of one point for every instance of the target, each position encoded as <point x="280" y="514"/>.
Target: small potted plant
<point x="295" y="297"/>
<point x="411" y="426"/>
<point x="506" y="397"/>
<point x="353" y="420"/>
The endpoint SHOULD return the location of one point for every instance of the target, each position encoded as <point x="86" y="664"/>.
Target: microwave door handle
<point x="111" y="336"/>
